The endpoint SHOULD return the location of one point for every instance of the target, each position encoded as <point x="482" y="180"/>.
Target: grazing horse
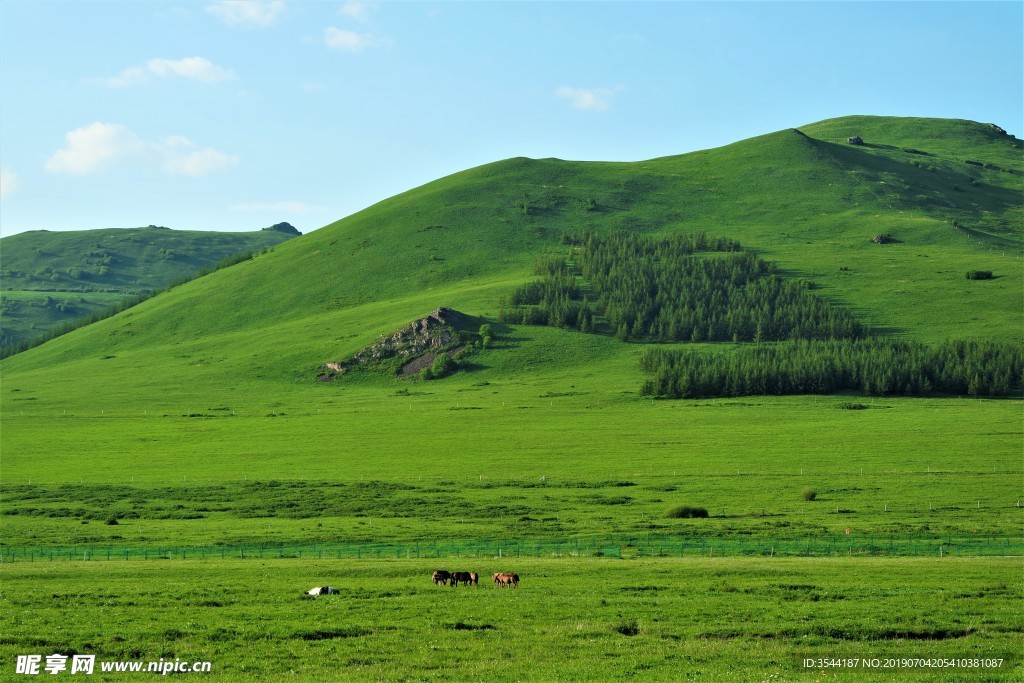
<point x="465" y="578"/>
<point x="504" y="579"/>
<point x="441" y="577"/>
<point x="515" y="580"/>
<point x="474" y="579"/>
<point x="322" y="590"/>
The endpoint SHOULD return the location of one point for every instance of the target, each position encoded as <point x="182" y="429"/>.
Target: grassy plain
<point x="455" y="458"/>
<point x="570" y="619"/>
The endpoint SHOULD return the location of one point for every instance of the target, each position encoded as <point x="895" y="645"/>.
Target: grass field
<point x="620" y="466"/>
<point x="570" y="619"/>
<point x="196" y="420"/>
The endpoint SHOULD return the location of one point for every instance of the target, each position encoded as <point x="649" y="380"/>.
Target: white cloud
<point x="180" y="156"/>
<point x="9" y="181"/>
<point x="247" y="13"/>
<point x="596" y="99"/>
<point x="359" y="11"/>
<point x="285" y="207"/>
<point x="101" y="145"/>
<point x="193" y="68"/>
<point x="350" y="41"/>
<point x="95" y="146"/>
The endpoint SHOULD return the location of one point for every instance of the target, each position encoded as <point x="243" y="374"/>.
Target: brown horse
<point x="504" y="579"/>
<point x="441" y="577"/>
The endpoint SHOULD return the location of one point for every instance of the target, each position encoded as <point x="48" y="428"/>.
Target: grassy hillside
<point x="252" y="337"/>
<point x="810" y="204"/>
<point x="54" y="277"/>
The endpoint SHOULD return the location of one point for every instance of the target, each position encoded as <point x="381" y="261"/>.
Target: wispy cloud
<point x="349" y="41"/>
<point x="9" y="181"/>
<point x="180" y="156"/>
<point x="247" y="13"/>
<point x="100" y="145"/>
<point x="591" y="99"/>
<point x="191" y="68"/>
<point x="360" y="11"/>
<point x="282" y="207"/>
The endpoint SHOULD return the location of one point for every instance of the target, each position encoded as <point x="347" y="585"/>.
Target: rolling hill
<point x="802" y="198"/>
<point x="250" y="340"/>
<point x="49" y="278"/>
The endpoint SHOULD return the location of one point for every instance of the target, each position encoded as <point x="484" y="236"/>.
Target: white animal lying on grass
<point x="322" y="590"/>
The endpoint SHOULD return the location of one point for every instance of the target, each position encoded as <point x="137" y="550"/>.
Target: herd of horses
<point x="444" y="578"/>
<point x="501" y="579"/>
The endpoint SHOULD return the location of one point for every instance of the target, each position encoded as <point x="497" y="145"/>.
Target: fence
<point x="585" y="547"/>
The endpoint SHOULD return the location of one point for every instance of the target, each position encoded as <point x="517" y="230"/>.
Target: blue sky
<point x="211" y="115"/>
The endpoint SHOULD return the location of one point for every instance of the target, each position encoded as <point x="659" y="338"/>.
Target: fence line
<point x="615" y="548"/>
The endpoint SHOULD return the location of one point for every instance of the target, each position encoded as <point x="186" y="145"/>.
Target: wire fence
<point x="889" y="546"/>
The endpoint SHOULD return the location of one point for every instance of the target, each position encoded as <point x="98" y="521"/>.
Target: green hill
<point x="49" y="278"/>
<point x="258" y="333"/>
<point x="810" y="204"/>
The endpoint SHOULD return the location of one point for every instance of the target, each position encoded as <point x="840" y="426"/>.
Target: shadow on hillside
<point x="470" y="366"/>
<point x="887" y="331"/>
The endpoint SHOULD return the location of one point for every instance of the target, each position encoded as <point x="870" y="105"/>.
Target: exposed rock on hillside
<point x="286" y="228"/>
<point x="413" y="347"/>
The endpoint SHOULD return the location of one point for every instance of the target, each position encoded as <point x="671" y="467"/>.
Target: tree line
<point x="663" y="289"/>
<point x="877" y="367"/>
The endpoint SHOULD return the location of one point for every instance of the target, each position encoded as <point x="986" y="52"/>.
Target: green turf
<point x="577" y="619"/>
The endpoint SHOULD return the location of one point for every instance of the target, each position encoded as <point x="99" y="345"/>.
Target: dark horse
<point x="465" y="578"/>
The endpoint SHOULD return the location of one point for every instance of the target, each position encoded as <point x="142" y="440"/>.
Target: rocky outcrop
<point x="433" y="332"/>
<point x="428" y="336"/>
<point x="286" y="228"/>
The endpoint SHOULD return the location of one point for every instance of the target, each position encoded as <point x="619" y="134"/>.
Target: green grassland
<point x="195" y="419"/>
<point x="570" y="619"/>
<point x="54" y="277"/>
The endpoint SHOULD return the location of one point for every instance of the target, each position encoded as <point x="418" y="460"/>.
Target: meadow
<point x="195" y="420"/>
<point x="570" y="619"/>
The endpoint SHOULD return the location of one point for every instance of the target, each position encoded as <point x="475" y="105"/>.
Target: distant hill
<point x="944" y="194"/>
<point x="52" y="277"/>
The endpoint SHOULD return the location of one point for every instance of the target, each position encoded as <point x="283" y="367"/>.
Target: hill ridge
<point x="473" y="234"/>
